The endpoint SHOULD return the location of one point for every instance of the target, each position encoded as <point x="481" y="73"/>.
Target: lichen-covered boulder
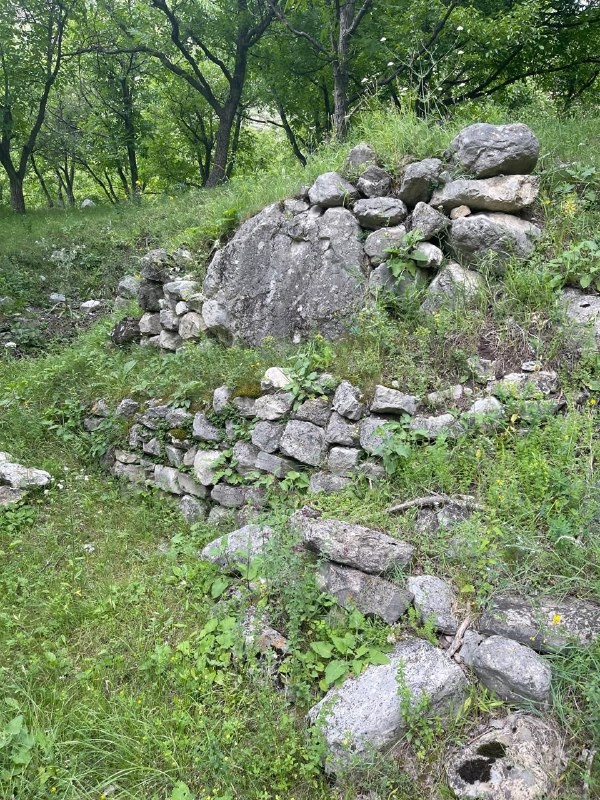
<point x="286" y="275"/>
<point x="485" y="150"/>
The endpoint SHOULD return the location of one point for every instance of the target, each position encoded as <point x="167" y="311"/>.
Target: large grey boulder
<point x="239" y="546"/>
<point x="359" y="159"/>
<point x="367" y="593"/>
<point x="428" y="221"/>
<point x="352" y="545"/>
<point x="452" y="286"/>
<point x="368" y="712"/>
<point x="514" y="672"/>
<point x="204" y="430"/>
<point x="434" y="601"/>
<point x="167" y="479"/>
<point x="508" y="193"/>
<point x="191" y="325"/>
<point x="316" y="410"/>
<point x="374" y="182"/>
<point x="150" y="324"/>
<point x="379" y="243"/>
<point x="271" y="407"/>
<point x="303" y="441"/>
<point x="518" y="757"/>
<point x="485" y="150"/>
<point x="286" y="277"/>
<point x="330" y="190"/>
<point x="19" y="477"/>
<point x="343" y="460"/>
<point x="503" y="235"/>
<point x="419" y="181"/>
<point x="546" y="624"/>
<point x="379" y="212"/>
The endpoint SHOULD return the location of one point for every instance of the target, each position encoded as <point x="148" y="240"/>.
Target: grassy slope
<point x="103" y="653"/>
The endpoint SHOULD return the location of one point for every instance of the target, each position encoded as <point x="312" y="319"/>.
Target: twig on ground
<point x="465" y="501"/>
<point x="458" y="639"/>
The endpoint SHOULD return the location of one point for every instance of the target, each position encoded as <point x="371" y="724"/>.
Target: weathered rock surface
<point x="276" y="465"/>
<point x="348" y="401"/>
<point x="485" y="150"/>
<point x="303" y="441"/>
<point x="19" y="477"/>
<point x="352" y="545"/>
<point x="330" y="190"/>
<point x="451" y="286"/>
<point x="374" y="182"/>
<point x="267" y="435"/>
<point x="383" y="278"/>
<point x="379" y="212"/>
<point x="150" y="324"/>
<point x="432" y="255"/>
<point x="392" y="401"/>
<point x="432" y="427"/>
<point x="272" y="407"/>
<point x="316" y="410"/>
<point x="503" y="235"/>
<point x="205" y="464"/>
<point x="204" y="430"/>
<point x="508" y="193"/>
<point x="341" y="431"/>
<point x="167" y="479"/>
<point x="343" y="460"/>
<point x="379" y="243"/>
<point x="365" y="713"/>
<point x="359" y="159"/>
<point x="192" y="509"/>
<point x="428" y="221"/>
<point x="434" y="600"/>
<point x="546" y="624"/>
<point x="286" y="277"/>
<point x="524" y="384"/>
<point x="373" y="433"/>
<point x="519" y="757"/>
<point x="326" y="482"/>
<point x="511" y="670"/>
<point x="237" y="496"/>
<point x="239" y="546"/>
<point x="583" y="310"/>
<point x="419" y="181"/>
<point x="368" y="593"/>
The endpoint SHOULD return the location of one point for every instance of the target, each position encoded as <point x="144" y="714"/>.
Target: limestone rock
<point x="316" y="410"/>
<point x="419" y="181"/>
<point x="379" y="212"/>
<point x="133" y="473"/>
<point x="168" y="319"/>
<point x="330" y="190"/>
<point x="239" y="546"/>
<point x="10" y="496"/>
<point x="19" y="477"/>
<point x="276" y="465"/>
<point x="453" y="285"/>
<point x="272" y="407"/>
<point x="175" y="291"/>
<point x="392" y="401"/>
<point x="156" y="265"/>
<point x="504" y="235"/>
<point x="460" y="211"/>
<point x="365" y="713"/>
<point x="244" y="406"/>
<point x="374" y="182"/>
<point x="432" y="427"/>
<point x="191" y="325"/>
<point x="379" y="243"/>
<point x="303" y="441"/>
<point x="373" y="433"/>
<point x="286" y="277"/>
<point x="525" y="384"/>
<point x="435" y="601"/>
<point x="205" y="464"/>
<point x="275" y="379"/>
<point x="127" y="408"/>
<point x="368" y="593"/>
<point x="433" y="255"/>
<point x="204" y="430"/>
<point x="340" y="431"/>
<point x="126" y="331"/>
<point x="221" y="397"/>
<point x="267" y="436"/>
<point x="583" y="310"/>
<point x="359" y="159"/>
<point x="485" y="150"/>
<point x="190" y="486"/>
<point x="514" y="672"/>
<point x="546" y="624"/>
<point x="150" y="324"/>
<point x="352" y="545"/>
<point x="166" y="478"/>
<point x="343" y="460"/>
<point x="382" y="278"/>
<point x="237" y="496"/>
<point x="149" y="296"/>
<point x="170" y="341"/>
<point x="192" y="509"/>
<point x="348" y="401"/>
<point x="507" y="193"/>
<point x="327" y="483"/>
<point x="485" y="407"/>
<point x="428" y="221"/>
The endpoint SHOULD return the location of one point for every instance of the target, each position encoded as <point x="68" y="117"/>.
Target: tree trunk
<point x="130" y="137"/>
<point x="17" y="198"/>
<point x="218" y="172"/>
<point x="43" y="185"/>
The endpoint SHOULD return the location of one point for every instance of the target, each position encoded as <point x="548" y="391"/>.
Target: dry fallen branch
<point x="458" y="639"/>
<point x="465" y="501"/>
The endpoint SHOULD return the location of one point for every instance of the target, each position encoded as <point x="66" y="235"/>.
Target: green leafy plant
<point x="406" y="256"/>
<point x="398" y="439"/>
<point x="579" y="265"/>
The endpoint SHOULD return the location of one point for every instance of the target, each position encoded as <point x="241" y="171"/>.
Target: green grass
<point x="112" y="682"/>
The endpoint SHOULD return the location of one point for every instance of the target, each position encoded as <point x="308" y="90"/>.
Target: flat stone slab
<point x="508" y="193"/>
<point x="514" y="672"/>
<point x="366" y="713"/>
<point x="434" y="600"/>
<point x="367" y="593"/>
<point x="352" y="545"/>
<point x="545" y="624"/>
<point x="518" y="757"/>
<point x="239" y="546"/>
<point x="19" y="477"/>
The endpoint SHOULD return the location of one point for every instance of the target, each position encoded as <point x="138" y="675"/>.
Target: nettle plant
<point x="406" y="256"/>
<point x="578" y="266"/>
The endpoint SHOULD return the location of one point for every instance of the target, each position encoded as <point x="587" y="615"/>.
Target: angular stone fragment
<point x="128" y="286"/>
<point x="134" y="473"/>
<point x="205" y="464"/>
<point x="287" y="277"/>
<point x="352" y="545"/>
<point x="511" y="670"/>
<point x="340" y="431"/>
<point x="524" y="384"/>
<point x="373" y="433"/>
<point x="150" y="324"/>
<point x="126" y="458"/>
<point x="435" y="601"/>
<point x="245" y="455"/>
<point x="191" y="325"/>
<point x="204" y="430"/>
<point x="192" y="509"/>
<point x="360" y="157"/>
<point x="221" y="397"/>
<point x="275" y="379"/>
<point x="169" y="319"/>
<point x="273" y="406"/>
<point x="507" y="193"/>
<point x="327" y="483"/>
<point x="460" y="211"/>
<point x="433" y="256"/>
<point x="419" y="181"/>
<point x="374" y="182"/>
<point x="19" y="477"/>
<point x="432" y="427"/>
<point x="379" y="243"/>
<point x="343" y="460"/>
<point x="453" y="285"/>
<point x="503" y="235"/>
<point x="391" y="401"/>
<point x="303" y="441"/>
<point x="10" y="497"/>
<point x="276" y="465"/>
<point x="153" y="447"/>
<point x="428" y="221"/>
<point x="189" y="486"/>
<point x="485" y="150"/>
<point x="348" y="401"/>
<point x="379" y="212"/>
<point x="584" y="310"/>
<point x="366" y="713"/>
<point x="155" y="265"/>
<point x="166" y="478"/>
<point x="170" y="341"/>
<point x="547" y="624"/>
<point x="330" y="190"/>
<point x="237" y="496"/>
<point x="368" y="593"/>
<point x="245" y="406"/>
<point x="317" y="411"/>
<point x="91" y="424"/>
<point x="176" y="291"/>
<point x="238" y="547"/>
<point x="126" y="408"/>
<point x="486" y="406"/>
<point x="149" y="296"/>
<point x="267" y="436"/>
<point x="518" y="757"/>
